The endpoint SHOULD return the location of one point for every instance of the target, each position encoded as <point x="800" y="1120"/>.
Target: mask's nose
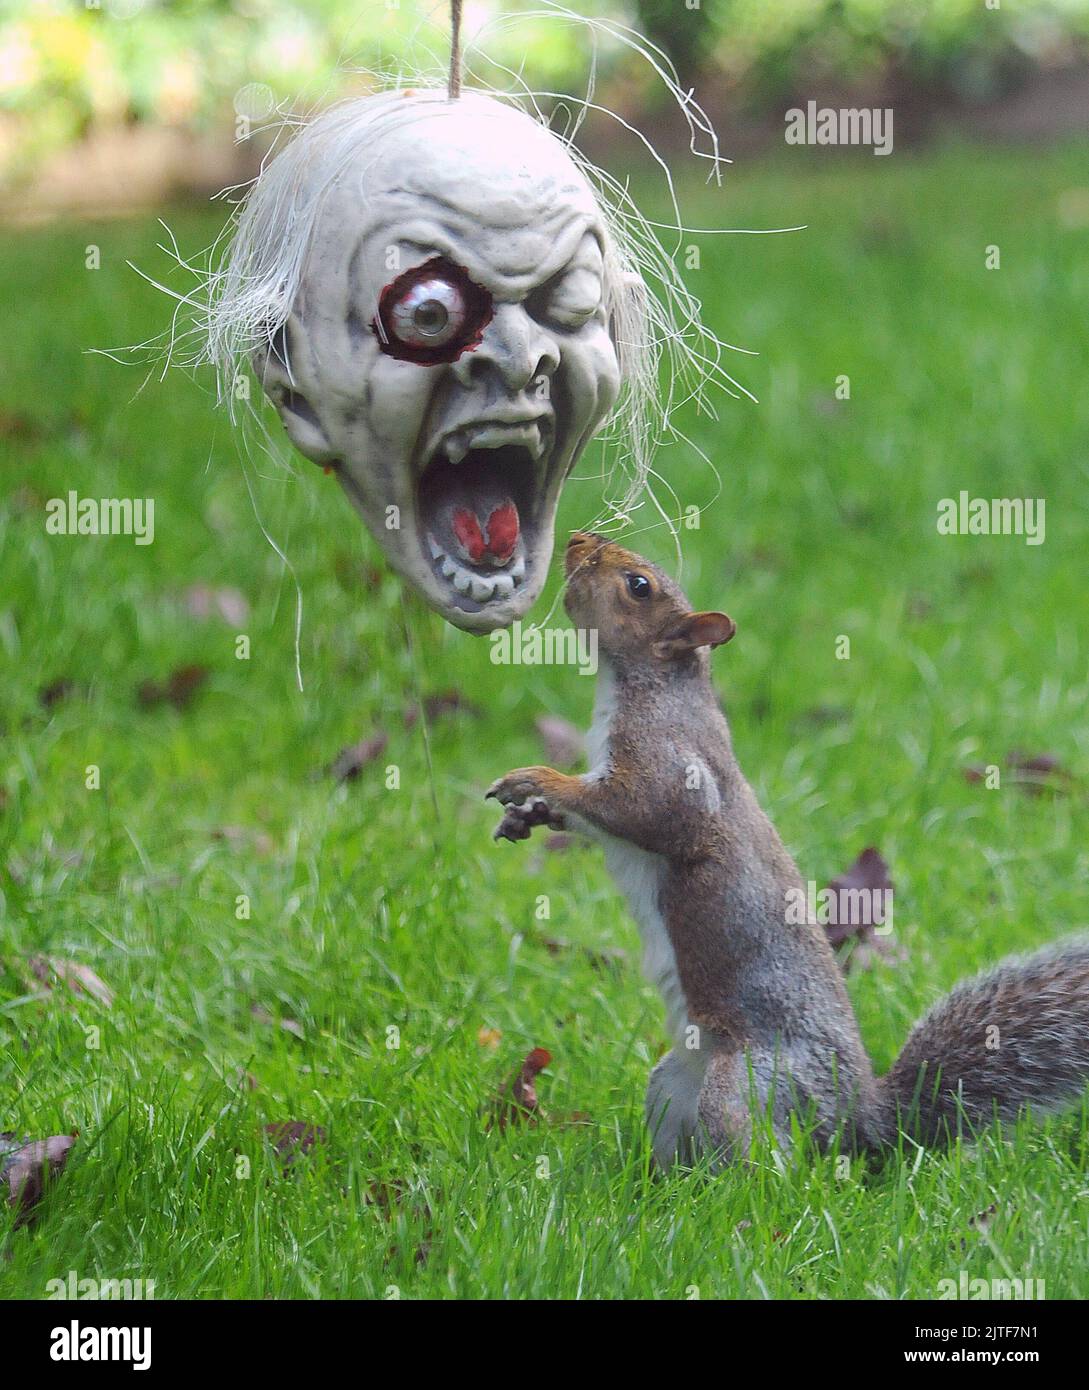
<point x="514" y="346"/>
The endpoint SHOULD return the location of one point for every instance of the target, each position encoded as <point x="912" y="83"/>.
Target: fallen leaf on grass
<point x="385" y="1193"/>
<point x="563" y="744"/>
<point x="352" y="573"/>
<point x="80" y="979"/>
<point x="600" y="958"/>
<point x="350" y="761"/>
<point x="29" y="1167"/>
<point x="388" y="1195"/>
<point x="202" y="601"/>
<point x="56" y="691"/>
<point x="289" y="1025"/>
<point x="1037" y="772"/>
<point x="488" y="1037"/>
<point x="15" y="425"/>
<point x="438" y="706"/>
<point x="242" y="837"/>
<point x="1033" y="773"/>
<point x="857" y="909"/>
<point x="517" y="1101"/>
<point x="178" y="689"/>
<point x="980" y="1222"/>
<point x="821" y="716"/>
<point x="292" y="1140"/>
<point x="576" y="1117"/>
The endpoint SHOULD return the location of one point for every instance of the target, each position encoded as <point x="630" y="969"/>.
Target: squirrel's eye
<point x="639" y="586"/>
<point x="432" y="313"/>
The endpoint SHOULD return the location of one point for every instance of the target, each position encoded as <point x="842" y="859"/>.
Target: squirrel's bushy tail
<point x="1017" y="1035"/>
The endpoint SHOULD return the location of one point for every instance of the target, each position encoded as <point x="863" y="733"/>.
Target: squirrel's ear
<point x="694" y="630"/>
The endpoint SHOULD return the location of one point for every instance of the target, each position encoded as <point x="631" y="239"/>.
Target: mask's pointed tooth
<point x="503" y="586"/>
<point x="517" y="571"/>
<point x="481" y="589"/>
<point x="463" y="581"/>
<point x="435" y="548"/>
<point x="457" y="446"/>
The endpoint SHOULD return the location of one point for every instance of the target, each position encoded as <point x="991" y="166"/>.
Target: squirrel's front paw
<point x="522" y="785"/>
<point x="518" y="821"/>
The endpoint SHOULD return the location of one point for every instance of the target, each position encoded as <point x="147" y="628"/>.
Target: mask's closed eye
<point x="574" y="296"/>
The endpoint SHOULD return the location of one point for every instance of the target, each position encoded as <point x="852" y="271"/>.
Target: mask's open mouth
<point x="478" y="508"/>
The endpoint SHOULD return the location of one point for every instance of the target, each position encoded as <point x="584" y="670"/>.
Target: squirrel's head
<point x="640" y="613"/>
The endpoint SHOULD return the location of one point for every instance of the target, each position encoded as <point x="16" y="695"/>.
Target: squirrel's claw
<point x="515" y="788"/>
<point x="518" y="820"/>
<point x="513" y="828"/>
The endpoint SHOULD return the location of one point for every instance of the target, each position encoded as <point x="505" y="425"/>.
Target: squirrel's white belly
<point x="638" y="875"/>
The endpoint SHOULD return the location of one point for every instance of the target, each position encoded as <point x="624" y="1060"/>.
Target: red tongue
<point x="501" y="530"/>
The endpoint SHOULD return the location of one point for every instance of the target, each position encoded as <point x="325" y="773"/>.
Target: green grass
<point x="369" y="912"/>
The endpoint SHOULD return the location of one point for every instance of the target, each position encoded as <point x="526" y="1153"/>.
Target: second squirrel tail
<point x="1017" y="1035"/>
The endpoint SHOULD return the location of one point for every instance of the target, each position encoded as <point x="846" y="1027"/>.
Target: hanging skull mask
<point x="450" y="346"/>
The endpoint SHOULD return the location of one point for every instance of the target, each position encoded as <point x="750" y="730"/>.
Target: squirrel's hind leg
<point x="673" y="1093"/>
<point x="739" y="1089"/>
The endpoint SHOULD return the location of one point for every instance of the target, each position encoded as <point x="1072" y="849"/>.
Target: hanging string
<point x="453" y="88"/>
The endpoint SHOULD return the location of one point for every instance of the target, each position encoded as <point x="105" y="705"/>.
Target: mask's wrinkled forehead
<point x="480" y="184"/>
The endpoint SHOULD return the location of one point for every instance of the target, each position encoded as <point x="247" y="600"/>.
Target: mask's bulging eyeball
<point x="432" y="314"/>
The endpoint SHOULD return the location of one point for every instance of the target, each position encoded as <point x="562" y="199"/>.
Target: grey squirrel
<point x="760" y="1019"/>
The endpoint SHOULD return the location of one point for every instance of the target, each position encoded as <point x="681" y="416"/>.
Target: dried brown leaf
<point x="204" y="601"/>
<point x="517" y="1102"/>
<point x="288" y="1025"/>
<point x="350" y="761"/>
<point x="29" y="1167"/>
<point x="79" y="978"/>
<point x="56" y="691"/>
<point x="439" y="706"/>
<point x="178" y="690"/>
<point x="858" y="911"/>
<point x="292" y="1140"/>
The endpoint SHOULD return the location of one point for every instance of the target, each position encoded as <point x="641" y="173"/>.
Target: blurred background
<point x="106" y="104"/>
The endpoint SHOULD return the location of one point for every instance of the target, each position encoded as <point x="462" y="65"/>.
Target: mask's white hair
<point x="251" y="276"/>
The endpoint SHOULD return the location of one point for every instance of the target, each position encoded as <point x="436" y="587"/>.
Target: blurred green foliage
<point x="973" y="48"/>
<point x="67" y="65"/>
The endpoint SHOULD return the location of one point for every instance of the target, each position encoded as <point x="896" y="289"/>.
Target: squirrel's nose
<point x="581" y="550"/>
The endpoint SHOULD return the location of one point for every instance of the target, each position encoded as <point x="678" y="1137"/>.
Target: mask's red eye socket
<point x="432" y="313"/>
